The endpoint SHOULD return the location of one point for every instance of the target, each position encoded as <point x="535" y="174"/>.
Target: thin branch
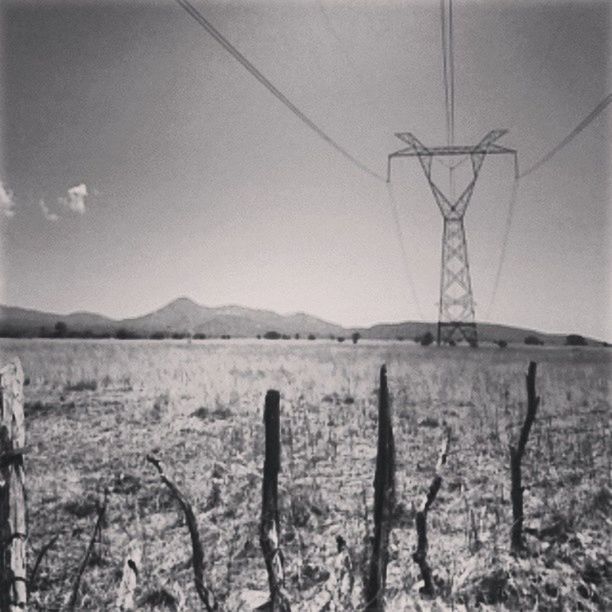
<point x="94" y="536"/>
<point x="41" y="555"/>
<point x="420" y="554"/>
<point x="204" y="592"/>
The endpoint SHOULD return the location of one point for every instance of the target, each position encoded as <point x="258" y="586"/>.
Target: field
<point x="94" y="409"/>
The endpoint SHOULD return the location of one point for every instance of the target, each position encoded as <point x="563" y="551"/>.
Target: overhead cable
<point x="592" y="115"/>
<point x="406" y="259"/>
<point x="502" y="257"/>
<point x="193" y="12"/>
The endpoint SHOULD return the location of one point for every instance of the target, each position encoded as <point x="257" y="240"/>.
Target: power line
<point x="406" y="259"/>
<point x="193" y="12"/>
<point x="502" y="257"/>
<point x="583" y="124"/>
<point x="445" y="68"/>
<point x="451" y="63"/>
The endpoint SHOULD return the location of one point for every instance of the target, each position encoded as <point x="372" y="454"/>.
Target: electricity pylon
<point x="456" y="314"/>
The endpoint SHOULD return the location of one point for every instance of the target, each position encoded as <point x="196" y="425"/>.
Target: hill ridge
<point x="184" y="315"/>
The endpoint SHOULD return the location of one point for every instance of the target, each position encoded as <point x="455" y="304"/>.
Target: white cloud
<point x="49" y="216"/>
<point x="7" y="203"/>
<point x="76" y="198"/>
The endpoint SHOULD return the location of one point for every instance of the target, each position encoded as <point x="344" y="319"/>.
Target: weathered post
<point x="516" y="458"/>
<point x="13" y="592"/>
<point x="384" y="500"/>
<point x="269" y="532"/>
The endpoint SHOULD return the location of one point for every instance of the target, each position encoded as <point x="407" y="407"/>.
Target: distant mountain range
<point x="183" y="316"/>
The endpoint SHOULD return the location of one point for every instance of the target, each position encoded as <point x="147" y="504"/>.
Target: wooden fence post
<point x="384" y="500"/>
<point x="516" y="457"/>
<point x="13" y="591"/>
<point x="269" y="532"/>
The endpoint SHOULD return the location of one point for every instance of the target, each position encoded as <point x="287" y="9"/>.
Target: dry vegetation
<point x="94" y="410"/>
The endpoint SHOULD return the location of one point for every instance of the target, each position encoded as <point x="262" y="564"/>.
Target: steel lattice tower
<point x="456" y="314"/>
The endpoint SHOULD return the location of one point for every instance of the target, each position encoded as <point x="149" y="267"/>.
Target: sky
<point x="140" y="162"/>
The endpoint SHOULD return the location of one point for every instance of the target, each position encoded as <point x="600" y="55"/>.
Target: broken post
<point x="516" y="458"/>
<point x="384" y="500"/>
<point x="420" y="554"/>
<point x="269" y="532"/>
<point x="13" y="591"/>
<point x="129" y="577"/>
<point x="204" y="592"/>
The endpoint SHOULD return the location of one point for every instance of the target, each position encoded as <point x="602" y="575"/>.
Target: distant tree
<point x="61" y="329"/>
<point x="355" y="337"/>
<point x="225" y="337"/>
<point x="426" y="339"/>
<point x="400" y="338"/>
<point x="297" y="336"/>
<point x="126" y="334"/>
<point x="258" y="336"/>
<point x="533" y="340"/>
<point x="157" y="335"/>
<point x="199" y="336"/>
<point x="576" y="340"/>
<point x="312" y="337"/>
<point x="340" y="338"/>
<point x="285" y="337"/>
<point x="272" y="335"/>
<point x="332" y="337"/>
<point x="178" y="335"/>
<point x="501" y="343"/>
<point x="451" y="342"/>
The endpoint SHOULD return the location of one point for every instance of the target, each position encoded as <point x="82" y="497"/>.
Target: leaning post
<point x="13" y="592"/>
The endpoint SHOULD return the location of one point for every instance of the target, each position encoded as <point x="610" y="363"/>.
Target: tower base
<point x="451" y="332"/>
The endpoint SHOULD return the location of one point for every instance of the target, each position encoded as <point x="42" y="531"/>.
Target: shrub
<point x="355" y="337"/>
<point x="61" y="329"/>
<point x="199" y="336"/>
<point x="501" y="343"/>
<point x="272" y="335"/>
<point x="575" y="340"/>
<point x="125" y="334"/>
<point x="533" y="340"/>
<point x="340" y="338"/>
<point x="82" y="385"/>
<point x="312" y="337"/>
<point x="426" y="339"/>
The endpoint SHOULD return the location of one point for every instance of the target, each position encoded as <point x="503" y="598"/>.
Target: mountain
<point x="184" y="316"/>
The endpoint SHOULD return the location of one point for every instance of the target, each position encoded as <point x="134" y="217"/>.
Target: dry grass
<point x="198" y="406"/>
